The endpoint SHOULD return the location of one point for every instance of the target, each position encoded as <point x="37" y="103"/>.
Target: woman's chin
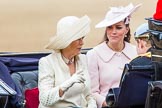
<point x="115" y="42"/>
<point x="78" y="52"/>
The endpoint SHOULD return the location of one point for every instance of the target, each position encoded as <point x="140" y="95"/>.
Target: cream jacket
<point x="52" y="73"/>
<point x="106" y="67"/>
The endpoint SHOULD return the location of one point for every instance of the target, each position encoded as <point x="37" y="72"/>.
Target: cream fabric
<point x="69" y="28"/>
<point x="117" y="14"/>
<point x="52" y="73"/>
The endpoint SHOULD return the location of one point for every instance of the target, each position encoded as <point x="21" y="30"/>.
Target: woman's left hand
<point x="77" y="88"/>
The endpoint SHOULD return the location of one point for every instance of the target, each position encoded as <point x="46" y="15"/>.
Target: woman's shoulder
<point x="45" y="57"/>
<point x="82" y="56"/>
<point x="130" y="50"/>
<point x="130" y="45"/>
<point x="97" y="48"/>
<point x="82" y="59"/>
<point x="100" y="46"/>
<point x="44" y="60"/>
<point x="49" y="57"/>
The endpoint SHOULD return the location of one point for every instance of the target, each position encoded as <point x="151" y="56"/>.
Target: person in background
<point x="106" y="60"/>
<point x="143" y="46"/>
<point x="63" y="79"/>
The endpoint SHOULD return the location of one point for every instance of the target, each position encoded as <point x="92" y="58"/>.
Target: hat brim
<point x="106" y="23"/>
<point x="142" y="36"/>
<point x="80" y="29"/>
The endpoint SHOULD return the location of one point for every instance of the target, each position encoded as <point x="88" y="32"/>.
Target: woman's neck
<point x="67" y="54"/>
<point x="67" y="57"/>
<point x="116" y="47"/>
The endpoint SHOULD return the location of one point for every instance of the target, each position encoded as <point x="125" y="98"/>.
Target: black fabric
<point x="154" y="24"/>
<point x="134" y="83"/>
<point x="157" y="62"/>
<point x="155" y="29"/>
<point x="141" y="60"/>
<point x="4" y="102"/>
<point x="156" y="55"/>
<point x="112" y="97"/>
<point x="154" y="95"/>
<point x="134" y="88"/>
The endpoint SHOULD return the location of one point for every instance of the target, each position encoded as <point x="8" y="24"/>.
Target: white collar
<point x="67" y="61"/>
<point x="108" y="53"/>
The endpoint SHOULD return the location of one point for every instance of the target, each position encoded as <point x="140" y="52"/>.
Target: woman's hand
<point x="104" y="104"/>
<point x="74" y="90"/>
<point x="61" y="93"/>
<point x="78" y="77"/>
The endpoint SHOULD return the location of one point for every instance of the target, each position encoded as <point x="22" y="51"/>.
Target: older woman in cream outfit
<point x="106" y="61"/>
<point x="63" y="76"/>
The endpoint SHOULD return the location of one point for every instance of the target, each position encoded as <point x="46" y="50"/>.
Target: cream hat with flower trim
<point x="69" y="28"/>
<point x="117" y="14"/>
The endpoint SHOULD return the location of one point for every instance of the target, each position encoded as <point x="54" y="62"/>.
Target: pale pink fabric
<point x="105" y="68"/>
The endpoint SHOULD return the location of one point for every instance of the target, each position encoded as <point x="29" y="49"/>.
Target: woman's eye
<point x="118" y="27"/>
<point x="109" y="27"/>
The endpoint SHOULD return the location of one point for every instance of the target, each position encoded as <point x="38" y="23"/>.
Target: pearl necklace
<point x="67" y="61"/>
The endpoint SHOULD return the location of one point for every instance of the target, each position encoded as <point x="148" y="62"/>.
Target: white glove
<point x="74" y="90"/>
<point x="78" y="77"/>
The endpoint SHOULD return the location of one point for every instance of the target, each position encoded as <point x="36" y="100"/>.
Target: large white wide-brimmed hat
<point x="69" y="28"/>
<point x="117" y="14"/>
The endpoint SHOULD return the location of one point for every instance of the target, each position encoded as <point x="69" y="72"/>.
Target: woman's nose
<point x="114" y="30"/>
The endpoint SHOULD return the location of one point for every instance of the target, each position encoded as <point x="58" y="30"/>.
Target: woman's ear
<point x="127" y="29"/>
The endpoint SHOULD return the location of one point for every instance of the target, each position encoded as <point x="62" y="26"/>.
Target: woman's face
<point x="117" y="32"/>
<point x="75" y="46"/>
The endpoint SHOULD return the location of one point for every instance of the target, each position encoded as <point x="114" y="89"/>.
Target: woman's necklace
<point x="68" y="61"/>
<point x="116" y="49"/>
